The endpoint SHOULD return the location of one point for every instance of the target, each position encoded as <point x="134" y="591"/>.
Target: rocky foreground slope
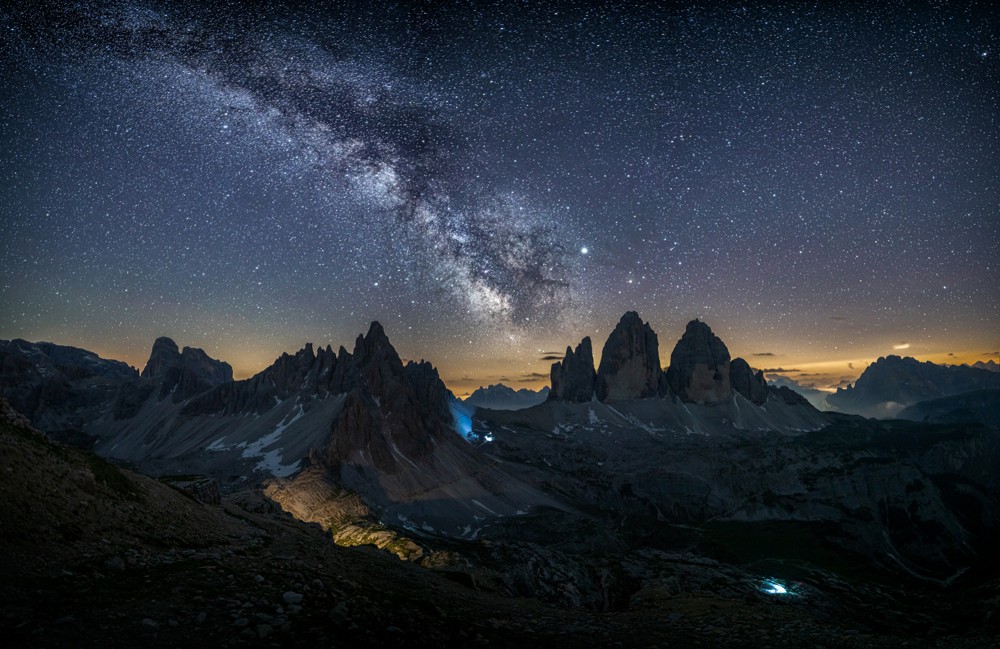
<point x="100" y="556"/>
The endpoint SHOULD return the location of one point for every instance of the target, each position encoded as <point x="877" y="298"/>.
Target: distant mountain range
<point x="501" y="397"/>
<point x="891" y="383"/>
<point x="377" y="451"/>
<point x="990" y="366"/>
<point x="814" y="396"/>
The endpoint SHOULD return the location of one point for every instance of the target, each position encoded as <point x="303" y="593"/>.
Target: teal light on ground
<point x="463" y="418"/>
<point x="773" y="587"/>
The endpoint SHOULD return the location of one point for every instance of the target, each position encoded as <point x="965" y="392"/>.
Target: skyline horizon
<point x="804" y="374"/>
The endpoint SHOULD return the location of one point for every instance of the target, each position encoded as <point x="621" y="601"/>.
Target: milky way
<point x="493" y="182"/>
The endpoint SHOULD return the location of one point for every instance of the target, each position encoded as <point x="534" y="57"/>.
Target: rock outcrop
<point x="751" y="385"/>
<point x="10" y="416"/>
<point x="630" y="362"/>
<point x="699" y="366"/>
<point x="305" y="373"/>
<point x="56" y="386"/>
<point x="164" y="355"/>
<point x="182" y="374"/>
<point x="393" y="413"/>
<point x="574" y="378"/>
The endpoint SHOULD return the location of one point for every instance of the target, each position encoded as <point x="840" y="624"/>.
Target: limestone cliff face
<point x="304" y="373"/>
<point x="573" y="378"/>
<point x="182" y="374"/>
<point x="59" y="387"/>
<point x="630" y="362"/>
<point x="393" y="413"/>
<point x="699" y="366"/>
<point x="744" y="380"/>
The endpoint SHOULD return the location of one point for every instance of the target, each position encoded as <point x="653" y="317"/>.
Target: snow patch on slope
<point x="272" y="459"/>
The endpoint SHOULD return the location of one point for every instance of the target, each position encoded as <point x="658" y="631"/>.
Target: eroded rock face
<point x="186" y="373"/>
<point x="699" y="366"/>
<point x="53" y="385"/>
<point x="573" y="378"/>
<point x="306" y="373"/>
<point x="751" y="385"/>
<point x="162" y="357"/>
<point x="630" y="362"/>
<point x="393" y="412"/>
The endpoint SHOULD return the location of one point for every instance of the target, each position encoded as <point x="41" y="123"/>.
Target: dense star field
<point x="494" y="182"/>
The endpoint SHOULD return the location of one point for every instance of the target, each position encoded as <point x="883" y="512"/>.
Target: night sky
<point x="492" y="183"/>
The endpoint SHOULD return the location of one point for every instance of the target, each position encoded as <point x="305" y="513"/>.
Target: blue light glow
<point x="463" y="418"/>
<point x="773" y="587"/>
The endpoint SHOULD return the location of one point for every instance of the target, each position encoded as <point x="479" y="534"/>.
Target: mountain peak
<point x="630" y="361"/>
<point x="184" y="373"/>
<point x="699" y="366"/>
<point x="573" y="378"/>
<point x="163" y="355"/>
<point x="376" y="332"/>
<point x="892" y="382"/>
<point x="744" y="380"/>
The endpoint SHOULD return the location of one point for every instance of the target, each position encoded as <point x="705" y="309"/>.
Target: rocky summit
<point x="699" y="366"/>
<point x="753" y="386"/>
<point x="394" y="413"/>
<point x="630" y="362"/>
<point x="183" y="374"/>
<point x="574" y="378"/>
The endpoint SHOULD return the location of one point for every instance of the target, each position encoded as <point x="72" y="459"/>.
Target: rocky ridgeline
<point x="305" y="373"/>
<point x="389" y="406"/>
<point x="574" y="378"/>
<point x="700" y="368"/>
<point x="59" y="387"/>
<point x="893" y="382"/>
<point x="501" y="397"/>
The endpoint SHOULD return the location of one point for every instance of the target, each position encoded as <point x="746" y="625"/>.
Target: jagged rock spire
<point x="751" y="385"/>
<point x="630" y="362"/>
<point x="573" y="378"/>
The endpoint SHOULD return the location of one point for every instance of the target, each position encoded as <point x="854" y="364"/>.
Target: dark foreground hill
<point x="96" y="555"/>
